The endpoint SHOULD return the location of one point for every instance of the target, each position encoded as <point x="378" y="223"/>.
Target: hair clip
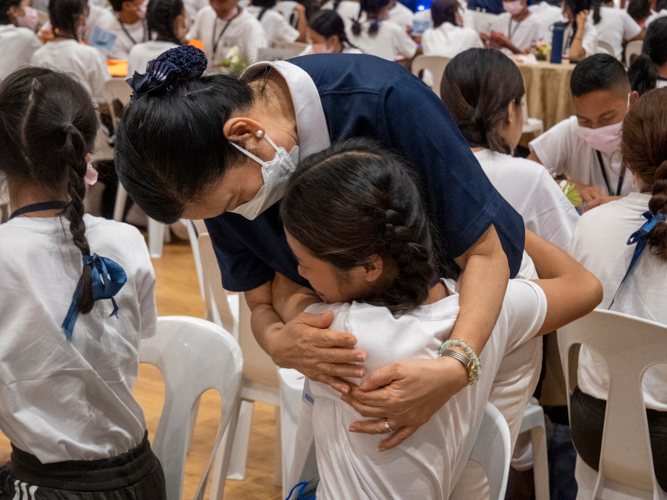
<point x="198" y="91"/>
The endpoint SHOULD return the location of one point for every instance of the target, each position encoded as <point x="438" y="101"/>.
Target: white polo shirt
<point x="615" y="26"/>
<point x="600" y="245"/>
<point x="61" y="399"/>
<point x="142" y="53"/>
<point x="448" y="40"/>
<point x="562" y="151"/>
<point x="275" y="25"/>
<point x="84" y="62"/>
<point x="127" y="35"/>
<point x="523" y="34"/>
<point x="244" y="32"/>
<point x="532" y="192"/>
<point x="389" y="42"/>
<point x="401" y="15"/>
<point x="17" y="45"/>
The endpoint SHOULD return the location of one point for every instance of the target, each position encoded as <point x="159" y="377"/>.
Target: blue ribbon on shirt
<point x="108" y="278"/>
<point x="639" y="238"/>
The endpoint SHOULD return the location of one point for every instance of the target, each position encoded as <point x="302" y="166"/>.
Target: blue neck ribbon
<point x="639" y="238"/>
<point x="108" y="278"/>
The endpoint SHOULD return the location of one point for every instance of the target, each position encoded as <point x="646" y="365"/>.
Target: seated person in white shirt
<point x="583" y="146"/>
<point x="448" y="37"/>
<point x="224" y="25"/>
<point x="377" y="36"/>
<point x="127" y="22"/>
<point x="580" y="38"/>
<point x="348" y="10"/>
<point x="601" y="244"/>
<point x="649" y="69"/>
<point x="617" y="28"/>
<point x="549" y="11"/>
<point x="276" y="26"/>
<point x="516" y="30"/>
<point x="17" y="45"/>
<point x="487" y="84"/>
<point x="326" y="31"/>
<point x="166" y="22"/>
<point x="66" y="53"/>
<point x="354" y="219"/>
<point x="640" y="11"/>
<point x="401" y="15"/>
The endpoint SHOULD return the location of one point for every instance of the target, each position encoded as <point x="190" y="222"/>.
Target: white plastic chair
<point x="605" y="48"/>
<point x="530" y="125"/>
<point x="4" y="200"/>
<point x="296" y="47"/>
<point x="632" y="50"/>
<point x="119" y="90"/>
<point x="286" y="8"/>
<point x="193" y="356"/>
<point x="628" y="346"/>
<point x="262" y="379"/>
<point x="533" y="422"/>
<point x="433" y="64"/>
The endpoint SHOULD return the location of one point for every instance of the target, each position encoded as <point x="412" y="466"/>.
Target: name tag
<point x="307" y="394"/>
<point x="102" y="40"/>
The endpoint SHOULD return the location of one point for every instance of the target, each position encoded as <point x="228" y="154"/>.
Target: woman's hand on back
<point x="405" y="396"/>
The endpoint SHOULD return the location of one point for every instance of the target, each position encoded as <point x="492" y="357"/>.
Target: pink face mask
<point x="604" y="139"/>
<point x="321" y="48"/>
<point x="513" y="8"/>
<point x="29" y="19"/>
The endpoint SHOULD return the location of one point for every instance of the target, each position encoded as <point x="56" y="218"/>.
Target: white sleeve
<point x="630" y="27"/>
<point x="99" y="76"/>
<point x="35" y="43"/>
<point x="525" y="307"/>
<point x="543" y="32"/>
<point x="283" y="31"/>
<point x="195" y="30"/>
<point x="473" y="41"/>
<point x="553" y="147"/>
<point x="590" y="41"/>
<point x="405" y="45"/>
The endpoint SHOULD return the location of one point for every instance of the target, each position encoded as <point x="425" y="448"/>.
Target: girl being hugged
<point x="355" y="221"/>
<point x="68" y="356"/>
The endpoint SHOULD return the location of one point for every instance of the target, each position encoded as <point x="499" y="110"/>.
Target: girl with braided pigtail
<point x="355" y="221"/>
<point x="68" y="356"/>
<point x="624" y="243"/>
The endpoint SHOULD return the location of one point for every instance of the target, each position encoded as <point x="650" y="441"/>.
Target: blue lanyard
<point x="639" y="237"/>
<point x="38" y="207"/>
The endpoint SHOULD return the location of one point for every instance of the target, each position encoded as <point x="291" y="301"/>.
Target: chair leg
<point x="223" y="456"/>
<point x="278" y="451"/>
<point x="239" y="455"/>
<point x="155" y="238"/>
<point x="119" y="207"/>
<point x="540" y="462"/>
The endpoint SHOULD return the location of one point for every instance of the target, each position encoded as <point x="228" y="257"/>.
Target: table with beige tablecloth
<point x="548" y="91"/>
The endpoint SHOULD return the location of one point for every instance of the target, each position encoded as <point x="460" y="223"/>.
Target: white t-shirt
<point x="548" y="14"/>
<point x="143" y="53"/>
<point x="429" y="463"/>
<point x="600" y="245"/>
<point x="401" y="15"/>
<point x="127" y="35"/>
<point x="86" y="63"/>
<point x="531" y="191"/>
<point x="244" y="32"/>
<point x="17" y="45"/>
<point x="448" y="40"/>
<point x="562" y="151"/>
<point x="389" y="42"/>
<point x="194" y="6"/>
<point x="654" y="16"/>
<point x="616" y="25"/>
<point x="590" y="41"/>
<point x="71" y="400"/>
<point x="523" y="34"/>
<point x="275" y="25"/>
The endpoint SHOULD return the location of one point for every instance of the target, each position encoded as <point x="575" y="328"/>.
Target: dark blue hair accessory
<point x="176" y="65"/>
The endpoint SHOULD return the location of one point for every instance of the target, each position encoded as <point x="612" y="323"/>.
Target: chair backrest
<point x="195" y="228"/>
<point x="632" y="50"/>
<point x="628" y="346"/>
<point x="605" y="48"/>
<point x="193" y="356"/>
<point x="493" y="451"/>
<point x="296" y="47"/>
<point x="117" y="90"/>
<point x="286" y="8"/>
<point x="42" y="17"/>
<point x="435" y="64"/>
<point x="258" y="366"/>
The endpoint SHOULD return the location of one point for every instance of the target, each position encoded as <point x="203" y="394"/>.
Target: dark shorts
<point x="587" y="423"/>
<point x="135" y="475"/>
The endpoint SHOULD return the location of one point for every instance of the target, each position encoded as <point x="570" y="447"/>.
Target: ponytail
<point x="643" y="74"/>
<point x="266" y="5"/>
<point x="160" y="18"/>
<point x="596" y="11"/>
<point x="328" y="23"/>
<point x="372" y="9"/>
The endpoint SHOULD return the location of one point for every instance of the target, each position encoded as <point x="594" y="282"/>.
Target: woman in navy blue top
<point x="220" y="149"/>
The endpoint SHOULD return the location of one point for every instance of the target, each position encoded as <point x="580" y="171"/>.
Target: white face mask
<point x="513" y="8"/>
<point x="604" y="139"/>
<point x="275" y="173"/>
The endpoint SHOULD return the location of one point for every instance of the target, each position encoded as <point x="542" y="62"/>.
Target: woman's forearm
<point x="482" y="290"/>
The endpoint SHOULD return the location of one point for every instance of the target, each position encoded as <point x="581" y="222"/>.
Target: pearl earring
<point x="259" y="134"/>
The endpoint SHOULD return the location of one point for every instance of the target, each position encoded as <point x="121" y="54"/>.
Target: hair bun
<point x="170" y="68"/>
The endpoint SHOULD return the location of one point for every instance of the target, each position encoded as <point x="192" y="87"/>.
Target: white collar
<point x="7" y="27"/>
<point x="311" y="124"/>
